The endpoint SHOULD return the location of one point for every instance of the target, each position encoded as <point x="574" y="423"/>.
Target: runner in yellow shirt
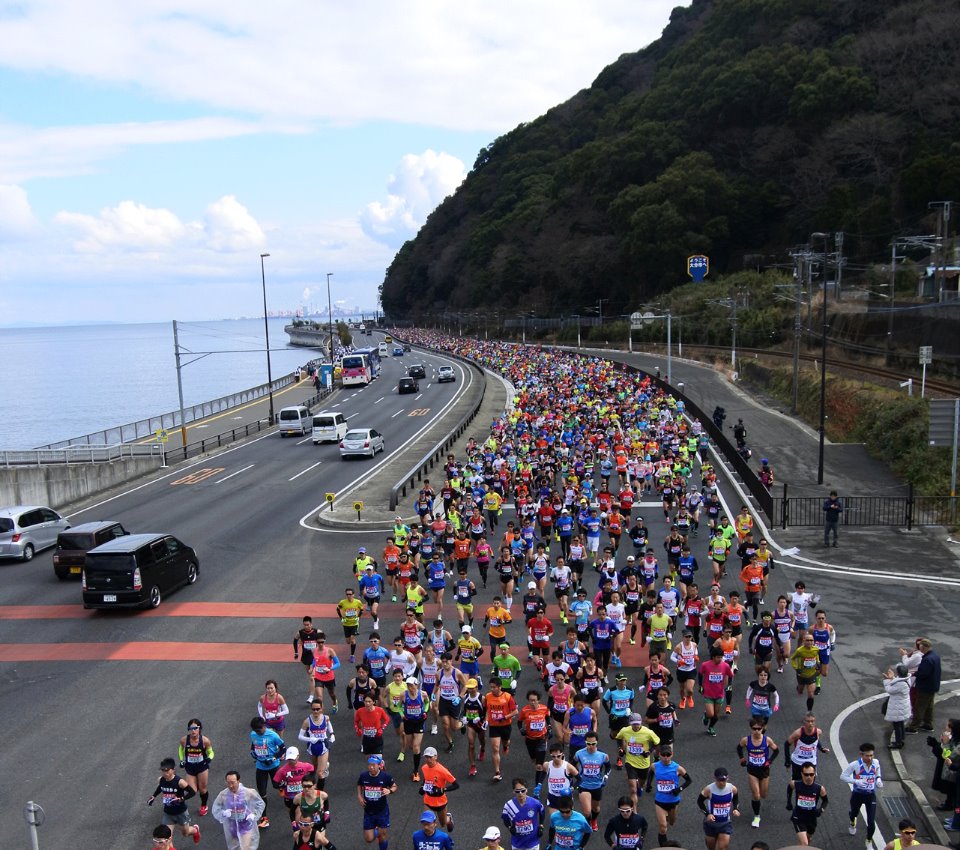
<point x="350" y="610"/>
<point x="637" y="741"/>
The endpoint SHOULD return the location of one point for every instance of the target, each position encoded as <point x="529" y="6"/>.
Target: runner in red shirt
<point x="539" y="634"/>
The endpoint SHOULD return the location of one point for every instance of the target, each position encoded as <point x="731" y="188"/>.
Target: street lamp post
<point x="823" y="360"/>
<point x="330" y="315"/>
<point x="266" y="332"/>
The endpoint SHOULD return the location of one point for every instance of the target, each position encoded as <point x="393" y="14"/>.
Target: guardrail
<point x="143" y="428"/>
<point x="431" y="458"/>
<point x="119" y="451"/>
<point x="75" y="455"/>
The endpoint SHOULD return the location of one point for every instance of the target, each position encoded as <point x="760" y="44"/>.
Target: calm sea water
<point x="64" y="382"/>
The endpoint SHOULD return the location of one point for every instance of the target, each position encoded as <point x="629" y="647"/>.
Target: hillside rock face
<point x="747" y="125"/>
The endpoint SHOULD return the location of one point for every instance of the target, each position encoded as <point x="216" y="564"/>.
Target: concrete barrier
<point x="57" y="485"/>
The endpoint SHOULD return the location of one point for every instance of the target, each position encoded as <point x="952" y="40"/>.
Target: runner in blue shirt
<point x="428" y="837"/>
<point x="602" y="630"/>
<point x="375" y="659"/>
<point x="371" y="588"/>
<point x="569" y="830"/>
<point x="373" y="788"/>
<point x="265" y="748"/>
<point x="594" y="766"/>
<point x="523" y="817"/>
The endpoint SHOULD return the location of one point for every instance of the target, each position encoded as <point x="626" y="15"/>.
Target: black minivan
<point x="137" y="571"/>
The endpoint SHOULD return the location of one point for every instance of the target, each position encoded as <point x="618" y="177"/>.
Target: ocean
<point x="62" y="382"/>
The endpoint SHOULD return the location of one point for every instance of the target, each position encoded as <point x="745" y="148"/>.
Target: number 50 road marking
<point x="198" y="476"/>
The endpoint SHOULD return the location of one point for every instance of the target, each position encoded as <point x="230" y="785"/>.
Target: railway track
<point x="894" y="376"/>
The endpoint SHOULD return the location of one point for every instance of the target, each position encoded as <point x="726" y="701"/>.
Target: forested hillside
<point x="747" y="125"/>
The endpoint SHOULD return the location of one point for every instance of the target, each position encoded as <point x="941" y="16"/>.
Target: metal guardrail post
<point x="910" y="508"/>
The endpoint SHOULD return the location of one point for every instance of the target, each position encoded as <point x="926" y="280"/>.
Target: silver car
<point x="361" y="441"/>
<point x="26" y="529"/>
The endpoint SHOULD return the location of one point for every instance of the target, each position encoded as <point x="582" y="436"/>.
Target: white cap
<point x="531" y="584"/>
<point x="412" y="680"/>
<point x="491" y="834"/>
<point x="292" y="753"/>
<point x="631" y="558"/>
<point x="466" y="629"/>
<point x="430" y="752"/>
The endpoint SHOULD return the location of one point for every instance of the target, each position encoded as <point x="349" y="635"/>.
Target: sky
<point x="150" y="152"/>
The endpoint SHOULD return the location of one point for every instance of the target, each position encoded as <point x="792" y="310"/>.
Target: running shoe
<point x="263" y="823"/>
<point x="415" y="777"/>
<point x="336" y="708"/>
<point x="400" y="756"/>
<point x="450" y="744"/>
<point x="433" y="729"/>
<point x="780" y="668"/>
<point x="728" y="710"/>
<point x="755" y="823"/>
<point x="309" y="699"/>
<point x="196" y="835"/>
<point x="594" y="825"/>
<point x="393" y="599"/>
<point x="852" y="829"/>
<point x="203" y="810"/>
<point x="473" y="770"/>
<point x="683" y="702"/>
<point x="711" y="732"/>
<point x="816" y="691"/>
<point x="619" y="762"/>
<point x="498" y="777"/>
<point x="352" y="659"/>
<point x="537" y="789"/>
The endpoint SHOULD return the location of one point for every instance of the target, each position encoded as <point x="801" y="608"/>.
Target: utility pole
<point x="943" y="232"/>
<point x="838" y="241"/>
<point x="799" y="260"/>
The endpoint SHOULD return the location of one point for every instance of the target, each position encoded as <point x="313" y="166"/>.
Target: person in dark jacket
<point x="832" y="508"/>
<point x="927" y="679"/>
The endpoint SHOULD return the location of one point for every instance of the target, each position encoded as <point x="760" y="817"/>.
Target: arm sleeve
<point x="183" y="754"/>
<point x="702" y="803"/>
<point x="303" y="735"/>
<point x="283" y="709"/>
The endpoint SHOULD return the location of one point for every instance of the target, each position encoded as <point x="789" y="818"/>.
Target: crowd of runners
<point x="526" y="612"/>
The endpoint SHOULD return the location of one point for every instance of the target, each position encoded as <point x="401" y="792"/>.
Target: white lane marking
<point x="305" y="471"/>
<point x="380" y="399"/>
<point x="352" y="415"/>
<point x="225" y="477"/>
<point x="396" y="414"/>
<point x="305" y="440"/>
<point x="419" y="397"/>
<point x="361" y="479"/>
<point x="175" y="473"/>
<point x="810" y="564"/>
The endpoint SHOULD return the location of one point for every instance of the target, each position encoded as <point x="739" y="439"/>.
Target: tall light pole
<point x="330" y="314"/>
<point x="823" y="359"/>
<point x="266" y="332"/>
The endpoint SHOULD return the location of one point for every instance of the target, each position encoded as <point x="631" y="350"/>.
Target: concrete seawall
<point x="58" y="485"/>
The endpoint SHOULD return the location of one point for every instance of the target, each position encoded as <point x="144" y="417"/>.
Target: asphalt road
<point x="241" y="510"/>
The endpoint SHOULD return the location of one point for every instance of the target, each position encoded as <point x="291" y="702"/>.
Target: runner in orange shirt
<point x="437" y="780"/>
<point x="500" y="710"/>
<point x="391" y="557"/>
<point x="534" y="726"/>
<point x="752" y="577"/>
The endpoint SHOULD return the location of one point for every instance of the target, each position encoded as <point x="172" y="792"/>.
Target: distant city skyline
<point x="149" y="153"/>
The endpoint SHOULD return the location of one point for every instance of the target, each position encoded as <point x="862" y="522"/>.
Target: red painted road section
<point x="633" y="656"/>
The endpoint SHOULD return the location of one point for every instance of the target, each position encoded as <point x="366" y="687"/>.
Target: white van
<point x="328" y="426"/>
<point x="294" y="420"/>
<point x="382" y="350"/>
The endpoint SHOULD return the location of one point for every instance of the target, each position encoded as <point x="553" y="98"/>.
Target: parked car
<point x="137" y="571"/>
<point x="408" y="385"/>
<point x="416" y="370"/>
<point x="73" y="545"/>
<point x="361" y="441"/>
<point x="26" y="529"/>
<point x="397" y="351"/>
<point x="445" y="374"/>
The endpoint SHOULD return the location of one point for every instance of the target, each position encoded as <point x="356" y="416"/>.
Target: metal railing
<point x="143" y="428"/>
<point x="437" y="453"/>
<point x="869" y="511"/>
<point x="108" y="454"/>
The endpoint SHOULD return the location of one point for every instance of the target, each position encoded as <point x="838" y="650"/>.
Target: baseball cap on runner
<point x="292" y="753"/>
<point x="430" y="752"/>
<point x="636" y="718"/>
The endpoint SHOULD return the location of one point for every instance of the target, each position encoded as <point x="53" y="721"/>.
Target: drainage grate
<point x="899" y="807"/>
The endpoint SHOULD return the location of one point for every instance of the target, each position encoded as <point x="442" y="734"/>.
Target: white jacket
<point x="899" y="692"/>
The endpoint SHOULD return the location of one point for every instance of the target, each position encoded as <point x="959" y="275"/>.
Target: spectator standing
<point x="832" y="508"/>
<point x="927" y="678"/>
<point x="896" y="683"/>
<point x="911" y="658"/>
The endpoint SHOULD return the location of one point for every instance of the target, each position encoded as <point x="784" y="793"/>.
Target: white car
<point x="361" y="441"/>
<point x="444" y="374"/>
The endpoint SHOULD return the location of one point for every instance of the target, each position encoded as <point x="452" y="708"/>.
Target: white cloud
<point x="227" y="227"/>
<point x="458" y="65"/>
<point x="128" y="227"/>
<point x="420" y="183"/>
<point x="28" y="152"/>
<point x="16" y="216"/>
<point x="230" y="227"/>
